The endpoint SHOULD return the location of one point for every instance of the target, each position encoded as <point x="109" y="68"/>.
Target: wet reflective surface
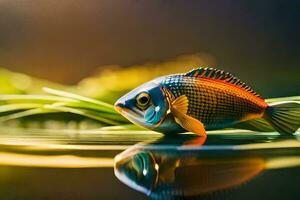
<point x="170" y="168"/>
<point x="141" y="165"/>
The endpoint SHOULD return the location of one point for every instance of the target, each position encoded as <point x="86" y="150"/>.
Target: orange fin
<point x="181" y="103"/>
<point x="221" y="75"/>
<point x="179" y="109"/>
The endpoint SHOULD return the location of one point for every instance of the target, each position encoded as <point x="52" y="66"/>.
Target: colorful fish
<point x="205" y="99"/>
<point x="171" y="172"/>
<point x="162" y="169"/>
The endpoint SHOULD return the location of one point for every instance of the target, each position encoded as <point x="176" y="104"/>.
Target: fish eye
<point x="143" y="100"/>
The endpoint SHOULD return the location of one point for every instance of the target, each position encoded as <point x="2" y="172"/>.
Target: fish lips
<point x="133" y="115"/>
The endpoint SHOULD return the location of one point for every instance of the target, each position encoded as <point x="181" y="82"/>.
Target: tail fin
<point x="284" y="116"/>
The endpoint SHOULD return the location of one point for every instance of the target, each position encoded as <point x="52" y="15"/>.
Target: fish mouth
<point x="133" y="115"/>
<point x="121" y="108"/>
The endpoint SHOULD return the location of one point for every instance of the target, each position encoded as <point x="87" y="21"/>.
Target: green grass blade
<point x="95" y="110"/>
<point x="292" y="98"/>
<point x="82" y="112"/>
<point x="18" y="106"/>
<point x="26" y="113"/>
<point x="78" y="97"/>
<point x="91" y="106"/>
<point x="9" y="99"/>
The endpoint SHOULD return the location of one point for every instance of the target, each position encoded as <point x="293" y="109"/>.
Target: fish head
<point x="146" y="105"/>
<point x="137" y="169"/>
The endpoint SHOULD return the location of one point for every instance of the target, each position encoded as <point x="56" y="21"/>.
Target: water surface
<point x="39" y="164"/>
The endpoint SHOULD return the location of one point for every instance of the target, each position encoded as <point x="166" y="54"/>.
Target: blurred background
<point x="104" y="48"/>
<point x="93" y="44"/>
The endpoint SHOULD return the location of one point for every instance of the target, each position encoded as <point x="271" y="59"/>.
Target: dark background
<point x="67" y="40"/>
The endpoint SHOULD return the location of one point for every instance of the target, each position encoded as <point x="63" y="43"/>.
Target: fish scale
<point x="205" y="99"/>
<point x="214" y="103"/>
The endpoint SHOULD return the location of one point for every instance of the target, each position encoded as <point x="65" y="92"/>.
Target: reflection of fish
<point x="170" y="171"/>
<point x="205" y="98"/>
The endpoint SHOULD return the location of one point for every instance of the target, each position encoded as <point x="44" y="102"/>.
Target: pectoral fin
<point x="179" y="109"/>
<point x="181" y="104"/>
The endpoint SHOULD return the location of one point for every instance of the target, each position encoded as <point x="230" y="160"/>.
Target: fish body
<point x="204" y="99"/>
<point x="216" y="104"/>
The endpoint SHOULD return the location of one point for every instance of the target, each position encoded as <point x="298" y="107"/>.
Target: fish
<point x="162" y="175"/>
<point x="162" y="169"/>
<point x="205" y="99"/>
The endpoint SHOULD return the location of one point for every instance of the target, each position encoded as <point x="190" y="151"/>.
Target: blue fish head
<point x="137" y="169"/>
<point x="145" y="106"/>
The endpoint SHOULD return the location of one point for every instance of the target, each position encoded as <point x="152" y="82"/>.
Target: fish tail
<point x="284" y="117"/>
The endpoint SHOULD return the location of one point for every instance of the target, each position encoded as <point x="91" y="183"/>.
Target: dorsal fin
<point x="220" y="75"/>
